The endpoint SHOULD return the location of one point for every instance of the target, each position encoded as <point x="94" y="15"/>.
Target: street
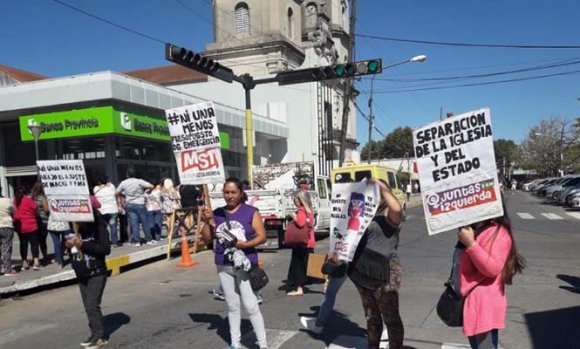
<point x="161" y="306"/>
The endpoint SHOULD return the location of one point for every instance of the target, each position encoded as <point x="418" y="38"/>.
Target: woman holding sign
<point x="236" y="229"/>
<point x="376" y="270"/>
<point x="488" y="263"/>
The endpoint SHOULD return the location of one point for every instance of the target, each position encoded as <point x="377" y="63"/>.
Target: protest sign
<point x="66" y="189"/>
<point x="457" y="171"/>
<point x="195" y="141"/>
<point x="353" y="207"/>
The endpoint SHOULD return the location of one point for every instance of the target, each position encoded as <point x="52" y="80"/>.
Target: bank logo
<point x="125" y="121"/>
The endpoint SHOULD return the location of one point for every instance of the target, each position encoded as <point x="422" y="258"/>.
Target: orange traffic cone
<point x="186" y="260"/>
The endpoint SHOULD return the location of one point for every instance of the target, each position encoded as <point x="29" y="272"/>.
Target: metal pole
<point x="249" y="136"/>
<point x="36" y="157"/>
<point x="371" y="118"/>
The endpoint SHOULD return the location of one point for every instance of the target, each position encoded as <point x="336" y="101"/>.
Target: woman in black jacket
<point x="89" y="264"/>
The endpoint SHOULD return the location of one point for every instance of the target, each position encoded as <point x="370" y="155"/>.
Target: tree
<point x="396" y="144"/>
<point x="507" y="155"/>
<point x="550" y="146"/>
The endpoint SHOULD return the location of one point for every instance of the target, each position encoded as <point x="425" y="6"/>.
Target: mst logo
<point x="202" y="160"/>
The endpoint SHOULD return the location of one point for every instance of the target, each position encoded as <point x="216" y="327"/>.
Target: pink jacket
<point x="301" y="217"/>
<point x="481" y="266"/>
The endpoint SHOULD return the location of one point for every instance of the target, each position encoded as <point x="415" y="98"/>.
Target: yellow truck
<point x="362" y="171"/>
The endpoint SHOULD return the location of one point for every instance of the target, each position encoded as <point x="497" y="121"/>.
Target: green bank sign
<point x="99" y="121"/>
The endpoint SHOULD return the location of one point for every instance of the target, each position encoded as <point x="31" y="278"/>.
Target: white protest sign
<point x="353" y="207"/>
<point x="457" y="171"/>
<point x="196" y="143"/>
<point x="67" y="190"/>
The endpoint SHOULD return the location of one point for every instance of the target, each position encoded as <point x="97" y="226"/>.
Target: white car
<point x="575" y="201"/>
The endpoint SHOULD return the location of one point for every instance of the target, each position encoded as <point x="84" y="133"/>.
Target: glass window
<point x="290" y="24"/>
<point x="392" y="180"/>
<point x="341" y="177"/>
<point x="321" y="188"/>
<point x="242" y="18"/>
<point x="360" y="175"/>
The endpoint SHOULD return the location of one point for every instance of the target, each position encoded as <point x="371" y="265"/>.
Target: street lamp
<point x="36" y="130"/>
<point x="418" y="58"/>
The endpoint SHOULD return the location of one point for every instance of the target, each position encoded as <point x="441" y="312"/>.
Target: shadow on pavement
<point x="216" y="322"/>
<point x="554" y="328"/>
<point x="115" y="321"/>
<point x="574" y="281"/>
<point x="337" y="325"/>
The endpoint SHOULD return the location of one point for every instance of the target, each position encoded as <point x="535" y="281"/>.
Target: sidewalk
<point x="119" y="259"/>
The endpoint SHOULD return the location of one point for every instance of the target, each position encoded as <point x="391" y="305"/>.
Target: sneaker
<point x="87" y="341"/>
<point x="297" y="292"/>
<point x="36" y="267"/>
<point x="136" y="244"/>
<point x="11" y="273"/>
<point x="309" y="323"/>
<point x="101" y="342"/>
<point x="151" y="242"/>
<point x="260" y="298"/>
<point x="219" y="296"/>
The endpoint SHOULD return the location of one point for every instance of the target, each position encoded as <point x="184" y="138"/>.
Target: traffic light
<point x="338" y="71"/>
<point x="195" y="61"/>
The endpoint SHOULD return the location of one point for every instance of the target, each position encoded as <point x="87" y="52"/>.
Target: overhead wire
<point x="468" y="44"/>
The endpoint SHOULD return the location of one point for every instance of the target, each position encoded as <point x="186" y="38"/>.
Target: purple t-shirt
<point x="239" y="220"/>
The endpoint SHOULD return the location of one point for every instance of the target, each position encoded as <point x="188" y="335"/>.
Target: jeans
<point x="238" y="291"/>
<point x="334" y="285"/>
<point x="155" y="223"/>
<point x="111" y="219"/>
<point x="486" y="340"/>
<point x="57" y="239"/>
<point x="92" y="294"/>
<point x="6" y="236"/>
<point x="138" y="213"/>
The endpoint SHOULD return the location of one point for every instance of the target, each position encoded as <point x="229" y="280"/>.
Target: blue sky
<point x="47" y="38"/>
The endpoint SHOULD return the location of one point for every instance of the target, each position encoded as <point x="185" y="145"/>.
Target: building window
<point x="290" y="24"/>
<point x="311" y="15"/>
<point x="242" y="18"/>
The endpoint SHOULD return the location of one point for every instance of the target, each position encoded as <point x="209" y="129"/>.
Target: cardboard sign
<point x="353" y="206"/>
<point x="457" y="171"/>
<point x="66" y="189"/>
<point x="195" y="140"/>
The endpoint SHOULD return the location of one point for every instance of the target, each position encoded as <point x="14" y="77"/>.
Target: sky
<point x="45" y="37"/>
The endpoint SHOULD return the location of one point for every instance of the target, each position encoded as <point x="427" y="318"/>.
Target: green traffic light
<point x="373" y="66"/>
<point x="339" y="71"/>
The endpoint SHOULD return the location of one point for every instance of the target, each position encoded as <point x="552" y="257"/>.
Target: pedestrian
<point x="26" y="226"/>
<point x="134" y="191"/>
<point x="487" y="264"/>
<point x="335" y="282"/>
<point x="58" y="231"/>
<point x="124" y="232"/>
<point x="37" y="195"/>
<point x="237" y="229"/>
<point x="376" y="271"/>
<point x="105" y="192"/>
<point x="170" y="202"/>
<point x="7" y="210"/>
<point x="153" y="204"/>
<point x="303" y="217"/>
<point x="409" y="190"/>
<point x="92" y="245"/>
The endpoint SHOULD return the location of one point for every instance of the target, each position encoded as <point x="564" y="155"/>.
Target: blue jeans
<point x="138" y="213"/>
<point x="111" y="219"/>
<point x="334" y="285"/>
<point x="486" y="340"/>
<point x="155" y="223"/>
<point x="57" y="239"/>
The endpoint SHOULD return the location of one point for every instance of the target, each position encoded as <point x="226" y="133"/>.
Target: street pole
<point x="36" y="130"/>
<point x="371" y="119"/>
<point x="249" y="137"/>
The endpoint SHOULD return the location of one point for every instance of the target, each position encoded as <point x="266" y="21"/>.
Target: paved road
<point x="160" y="306"/>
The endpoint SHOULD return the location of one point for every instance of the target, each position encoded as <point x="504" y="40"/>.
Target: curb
<point x="114" y="264"/>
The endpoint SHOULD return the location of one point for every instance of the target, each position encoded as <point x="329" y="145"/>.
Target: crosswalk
<point x="550" y="216"/>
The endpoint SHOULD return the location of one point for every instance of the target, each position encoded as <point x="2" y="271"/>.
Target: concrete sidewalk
<point x="119" y="259"/>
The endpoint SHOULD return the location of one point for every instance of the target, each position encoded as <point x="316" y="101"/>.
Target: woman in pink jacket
<point x="488" y="263"/>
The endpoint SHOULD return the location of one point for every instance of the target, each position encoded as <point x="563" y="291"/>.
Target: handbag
<point x="334" y="270"/>
<point x="84" y="267"/>
<point x="257" y="277"/>
<point x="297" y="236"/>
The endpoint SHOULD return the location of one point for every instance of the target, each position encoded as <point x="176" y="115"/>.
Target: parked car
<point x="538" y="183"/>
<point x="559" y="185"/>
<point x="526" y="186"/>
<point x="569" y="195"/>
<point x="540" y="187"/>
<point x="569" y="186"/>
<point x="575" y="201"/>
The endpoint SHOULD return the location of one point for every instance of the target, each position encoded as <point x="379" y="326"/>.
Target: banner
<point x="457" y="171"/>
<point x="195" y="140"/>
<point x="66" y="189"/>
<point x="353" y="207"/>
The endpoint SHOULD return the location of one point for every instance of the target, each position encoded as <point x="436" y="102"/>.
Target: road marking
<point x="552" y="216"/>
<point x="454" y="346"/>
<point x="574" y="214"/>
<point x="356" y="342"/>
<point x="524" y="215"/>
<point x="276" y="338"/>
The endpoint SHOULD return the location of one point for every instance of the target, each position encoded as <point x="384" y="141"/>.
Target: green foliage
<point x="395" y="145"/>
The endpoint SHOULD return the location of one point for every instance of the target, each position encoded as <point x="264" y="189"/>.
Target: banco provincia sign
<point x="98" y="121"/>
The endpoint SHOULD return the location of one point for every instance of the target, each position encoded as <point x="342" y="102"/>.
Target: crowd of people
<point x="132" y="208"/>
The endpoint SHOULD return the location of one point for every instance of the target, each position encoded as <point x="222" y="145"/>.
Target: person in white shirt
<point x="153" y="204"/>
<point x="134" y="191"/>
<point x="105" y="192"/>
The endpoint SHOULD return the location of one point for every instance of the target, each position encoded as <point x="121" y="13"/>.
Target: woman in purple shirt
<point x="236" y="227"/>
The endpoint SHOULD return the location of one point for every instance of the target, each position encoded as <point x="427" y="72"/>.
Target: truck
<point x="272" y="194"/>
